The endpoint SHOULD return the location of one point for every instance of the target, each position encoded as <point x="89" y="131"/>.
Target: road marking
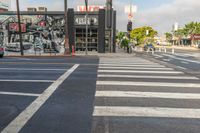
<point x="32" y="69"/>
<point x="159" y="56"/>
<point x="166" y="60"/>
<point x="146" y="76"/>
<point x="181" y="67"/>
<point x="40" y="81"/>
<point x="19" y="94"/>
<point x="116" y="111"/>
<point x="130" y="71"/>
<point x="130" y="63"/>
<point x="137" y="68"/>
<point x="184" y="62"/>
<point x="131" y="94"/>
<point x="18" y="123"/>
<point x="198" y="62"/>
<point x="158" y="84"/>
<point x="120" y="65"/>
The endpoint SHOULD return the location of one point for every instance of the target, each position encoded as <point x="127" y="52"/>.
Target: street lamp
<point x="86" y="19"/>
<point x="20" y="29"/>
<point x="67" y="51"/>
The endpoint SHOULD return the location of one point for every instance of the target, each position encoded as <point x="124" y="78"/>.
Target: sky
<point x="160" y="14"/>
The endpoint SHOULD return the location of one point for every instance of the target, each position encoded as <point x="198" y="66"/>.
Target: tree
<point x="140" y="36"/>
<point x="168" y="36"/>
<point x="124" y="43"/>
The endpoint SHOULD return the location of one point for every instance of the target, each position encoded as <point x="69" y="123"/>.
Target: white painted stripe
<point x="171" y="56"/>
<point x="166" y="60"/>
<point x="181" y="67"/>
<point x="159" y="56"/>
<point x="32" y="69"/>
<point x="19" y="94"/>
<point x="17" y="124"/>
<point x="131" y="65"/>
<point x="132" y="94"/>
<point x="130" y="71"/>
<point x="147" y="76"/>
<point x="116" y="111"/>
<point x="40" y="81"/>
<point x="137" y="68"/>
<point x="184" y="62"/>
<point x="156" y="84"/>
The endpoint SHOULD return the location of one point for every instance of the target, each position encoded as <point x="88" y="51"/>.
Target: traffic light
<point x="129" y="26"/>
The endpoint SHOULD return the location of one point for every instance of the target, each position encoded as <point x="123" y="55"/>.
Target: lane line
<point x="18" y="123"/>
<point x="32" y="69"/>
<point x="129" y="71"/>
<point x="137" y="68"/>
<point x="116" y="111"/>
<point x="184" y="62"/>
<point x="146" y="77"/>
<point x="19" y="94"/>
<point x="137" y="94"/>
<point x="39" y="81"/>
<point x="123" y="65"/>
<point x="155" y="84"/>
<point x="181" y="67"/>
<point x="159" y="56"/>
<point x="192" y="61"/>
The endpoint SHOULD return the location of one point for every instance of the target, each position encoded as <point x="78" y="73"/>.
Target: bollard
<point x="152" y="52"/>
<point x="173" y="51"/>
<point x="165" y="50"/>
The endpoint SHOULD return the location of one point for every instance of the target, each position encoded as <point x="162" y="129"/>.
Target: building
<point x="4" y="5"/>
<point x="100" y="38"/>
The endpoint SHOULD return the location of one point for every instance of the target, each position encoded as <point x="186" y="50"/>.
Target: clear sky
<point x="160" y="14"/>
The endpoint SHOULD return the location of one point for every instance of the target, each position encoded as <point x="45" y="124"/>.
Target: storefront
<point x="44" y="31"/>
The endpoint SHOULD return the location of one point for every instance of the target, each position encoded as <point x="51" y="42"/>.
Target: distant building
<point x="4" y="5"/>
<point x="31" y="9"/>
<point x="42" y="9"/>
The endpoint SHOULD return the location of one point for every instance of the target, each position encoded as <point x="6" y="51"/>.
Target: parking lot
<point x="42" y="95"/>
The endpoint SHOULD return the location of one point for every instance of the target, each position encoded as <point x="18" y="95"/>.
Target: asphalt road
<point x="47" y="95"/>
<point x="140" y="93"/>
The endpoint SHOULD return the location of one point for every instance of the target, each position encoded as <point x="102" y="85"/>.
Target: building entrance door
<point x="80" y="41"/>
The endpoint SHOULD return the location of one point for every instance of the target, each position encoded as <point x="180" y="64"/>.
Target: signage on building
<point x="90" y="8"/>
<point x="81" y="20"/>
<point x="196" y="37"/>
<point x="14" y="27"/>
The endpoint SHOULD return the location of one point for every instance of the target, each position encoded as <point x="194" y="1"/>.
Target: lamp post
<point x="67" y="51"/>
<point x="20" y="29"/>
<point x="86" y="20"/>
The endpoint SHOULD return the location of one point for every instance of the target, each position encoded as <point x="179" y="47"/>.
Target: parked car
<point x="1" y="51"/>
<point x="149" y="47"/>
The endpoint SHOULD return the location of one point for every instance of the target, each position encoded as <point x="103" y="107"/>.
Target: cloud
<point x="162" y="18"/>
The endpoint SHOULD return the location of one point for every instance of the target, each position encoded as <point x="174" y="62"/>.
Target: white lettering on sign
<point x="82" y="20"/>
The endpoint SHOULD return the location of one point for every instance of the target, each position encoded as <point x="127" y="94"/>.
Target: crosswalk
<point x="122" y="81"/>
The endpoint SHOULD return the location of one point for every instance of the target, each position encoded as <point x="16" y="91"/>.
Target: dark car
<point x="1" y="51"/>
<point x="149" y="47"/>
<point x="199" y="46"/>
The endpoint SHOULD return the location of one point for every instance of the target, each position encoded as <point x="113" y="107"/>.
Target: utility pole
<point x="67" y="50"/>
<point x="86" y="20"/>
<point x="20" y="29"/>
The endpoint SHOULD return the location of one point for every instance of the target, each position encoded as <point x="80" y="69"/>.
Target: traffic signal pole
<point x="67" y="50"/>
<point x="20" y="28"/>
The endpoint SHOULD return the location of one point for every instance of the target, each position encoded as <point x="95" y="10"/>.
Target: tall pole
<point x="67" y="50"/>
<point x="86" y="19"/>
<point x="20" y="29"/>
